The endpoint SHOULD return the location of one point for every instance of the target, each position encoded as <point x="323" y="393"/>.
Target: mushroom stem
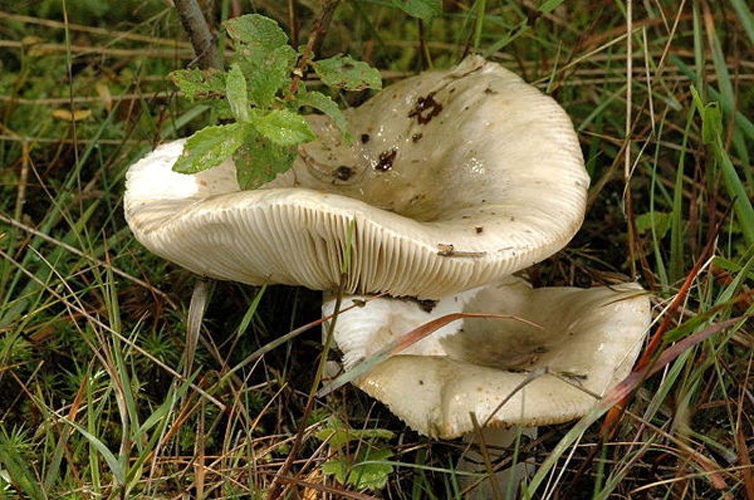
<point x="489" y="446"/>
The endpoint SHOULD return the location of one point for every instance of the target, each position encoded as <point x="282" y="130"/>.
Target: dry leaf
<point x="71" y="116"/>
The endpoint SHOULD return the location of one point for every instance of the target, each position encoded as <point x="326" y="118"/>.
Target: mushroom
<point x="496" y="373"/>
<point x="588" y="340"/>
<point x="453" y="179"/>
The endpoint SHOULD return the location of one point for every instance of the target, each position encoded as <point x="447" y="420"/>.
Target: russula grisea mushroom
<point x="588" y="340"/>
<point x="485" y="376"/>
<point x="454" y="178"/>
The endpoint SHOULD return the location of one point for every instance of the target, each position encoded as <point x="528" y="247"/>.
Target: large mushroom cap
<point x="588" y="342"/>
<point x="454" y="178"/>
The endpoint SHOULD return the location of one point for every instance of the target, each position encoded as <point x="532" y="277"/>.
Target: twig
<point x="196" y="27"/>
<point x="627" y="166"/>
<point x="319" y="28"/>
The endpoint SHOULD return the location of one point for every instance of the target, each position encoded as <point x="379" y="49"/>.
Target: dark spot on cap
<point x="385" y="160"/>
<point x="343" y="173"/>
<point x="427" y="305"/>
<point x="489" y="91"/>
<point x="417" y="137"/>
<point x="426" y="108"/>
<point x="364" y="138"/>
<point x="478" y="229"/>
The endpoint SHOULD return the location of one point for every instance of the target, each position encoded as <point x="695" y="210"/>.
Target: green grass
<point x="114" y="382"/>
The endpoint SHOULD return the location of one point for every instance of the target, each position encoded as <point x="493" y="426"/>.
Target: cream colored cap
<point x="454" y="179"/>
<point x="588" y="342"/>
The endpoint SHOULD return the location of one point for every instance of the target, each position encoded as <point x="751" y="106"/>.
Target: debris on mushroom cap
<point x="588" y="342"/>
<point x="454" y="178"/>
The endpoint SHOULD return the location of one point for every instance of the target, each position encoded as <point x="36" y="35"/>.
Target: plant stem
<point x="319" y="28"/>
<point x="196" y="27"/>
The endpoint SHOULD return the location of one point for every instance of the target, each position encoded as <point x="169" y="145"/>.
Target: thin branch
<point x="320" y="26"/>
<point x="198" y="32"/>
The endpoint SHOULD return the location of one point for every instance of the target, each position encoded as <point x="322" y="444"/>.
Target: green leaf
<point x="549" y="5"/>
<point x="712" y="123"/>
<point x="369" y="470"/>
<point x="423" y="9"/>
<point x="263" y="54"/>
<point x="199" y="84"/>
<point x="209" y="147"/>
<point x="712" y="120"/>
<point x="268" y="73"/>
<point x="658" y="221"/>
<point x="338" y="435"/>
<point x="337" y="467"/>
<point x="373" y="475"/>
<point x="236" y="93"/>
<point x="745" y="18"/>
<point x="712" y="134"/>
<point x="346" y="73"/>
<point x="113" y="462"/>
<point x="283" y="127"/>
<point x="259" y="33"/>
<point x="325" y="104"/>
<point x="742" y="204"/>
<point x="259" y="160"/>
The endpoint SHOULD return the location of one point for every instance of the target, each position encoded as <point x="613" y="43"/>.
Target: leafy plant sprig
<point x="366" y="466"/>
<point x="258" y="93"/>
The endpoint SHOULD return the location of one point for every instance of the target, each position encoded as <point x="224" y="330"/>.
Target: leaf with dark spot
<point x="346" y="73"/>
